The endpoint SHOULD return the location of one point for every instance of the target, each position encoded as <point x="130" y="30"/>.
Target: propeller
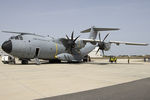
<point x="101" y="44"/>
<point x="71" y="42"/>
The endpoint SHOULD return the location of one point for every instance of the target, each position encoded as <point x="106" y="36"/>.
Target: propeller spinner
<point x="71" y="42"/>
<point x="101" y="44"/>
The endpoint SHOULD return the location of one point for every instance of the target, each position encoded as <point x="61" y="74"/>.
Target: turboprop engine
<point x="104" y="46"/>
<point x="80" y="44"/>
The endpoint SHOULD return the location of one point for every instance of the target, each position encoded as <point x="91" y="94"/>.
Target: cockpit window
<point x="18" y="37"/>
<point x="12" y="37"/>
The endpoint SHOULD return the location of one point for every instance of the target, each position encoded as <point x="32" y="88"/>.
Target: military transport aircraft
<point x="27" y="46"/>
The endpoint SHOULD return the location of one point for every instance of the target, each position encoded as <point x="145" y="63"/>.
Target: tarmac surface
<point x="28" y="82"/>
<point x="136" y="90"/>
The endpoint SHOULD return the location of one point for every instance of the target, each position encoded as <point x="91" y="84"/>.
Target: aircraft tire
<point x="54" y="61"/>
<point x="24" y="61"/>
<point x="89" y="59"/>
<point x="4" y="62"/>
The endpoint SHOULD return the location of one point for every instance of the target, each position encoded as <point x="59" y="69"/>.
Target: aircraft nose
<point x="7" y="46"/>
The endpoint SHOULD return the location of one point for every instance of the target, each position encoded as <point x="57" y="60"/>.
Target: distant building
<point x="93" y="53"/>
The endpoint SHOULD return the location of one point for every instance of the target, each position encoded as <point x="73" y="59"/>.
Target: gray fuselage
<point x="49" y="48"/>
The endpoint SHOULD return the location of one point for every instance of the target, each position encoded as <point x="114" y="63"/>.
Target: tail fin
<point x="93" y="31"/>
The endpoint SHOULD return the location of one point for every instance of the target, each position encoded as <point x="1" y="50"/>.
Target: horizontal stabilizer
<point x="100" y="29"/>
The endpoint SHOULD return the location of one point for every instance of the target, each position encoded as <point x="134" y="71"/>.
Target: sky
<point x="60" y="17"/>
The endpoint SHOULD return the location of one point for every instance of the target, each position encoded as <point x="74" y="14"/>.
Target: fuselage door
<point x="37" y="52"/>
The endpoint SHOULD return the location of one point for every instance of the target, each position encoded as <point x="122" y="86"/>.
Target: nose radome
<point x="7" y="46"/>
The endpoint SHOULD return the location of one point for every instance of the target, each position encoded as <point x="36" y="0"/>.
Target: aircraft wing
<point x="22" y="33"/>
<point x="115" y="42"/>
<point x="90" y="40"/>
<point x="128" y="43"/>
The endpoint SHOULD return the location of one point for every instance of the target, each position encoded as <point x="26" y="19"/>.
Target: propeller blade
<point x="67" y="37"/>
<point x="71" y="43"/>
<point x="76" y="38"/>
<point x="72" y="35"/>
<point x="106" y="37"/>
<point x="71" y="50"/>
<point x="99" y="36"/>
<point x="97" y="50"/>
<point x="103" y="52"/>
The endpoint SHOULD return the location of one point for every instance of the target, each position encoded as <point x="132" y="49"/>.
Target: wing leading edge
<point x="116" y="42"/>
<point x="129" y="43"/>
<point x="22" y="33"/>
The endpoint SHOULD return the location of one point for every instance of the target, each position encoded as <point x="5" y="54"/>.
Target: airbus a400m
<point x="27" y="46"/>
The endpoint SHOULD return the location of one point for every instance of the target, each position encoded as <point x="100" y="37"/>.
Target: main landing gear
<point x="24" y="61"/>
<point x="54" y="61"/>
<point x="87" y="58"/>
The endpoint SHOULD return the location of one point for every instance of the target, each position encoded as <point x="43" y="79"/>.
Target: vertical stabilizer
<point x="93" y="33"/>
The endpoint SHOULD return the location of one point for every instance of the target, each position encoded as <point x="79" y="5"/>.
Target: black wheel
<point x="4" y="62"/>
<point x="24" y="61"/>
<point x="111" y="61"/>
<point x="89" y="58"/>
<point x="54" y="61"/>
<point x="85" y="60"/>
<point x="58" y="61"/>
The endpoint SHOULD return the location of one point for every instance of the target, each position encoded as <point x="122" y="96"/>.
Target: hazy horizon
<point x="58" y="18"/>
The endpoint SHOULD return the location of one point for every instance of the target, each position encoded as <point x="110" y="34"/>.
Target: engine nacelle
<point x="80" y="44"/>
<point x="107" y="46"/>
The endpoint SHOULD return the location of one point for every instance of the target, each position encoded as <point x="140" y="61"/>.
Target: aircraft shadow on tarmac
<point x="135" y="90"/>
<point x="106" y="63"/>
